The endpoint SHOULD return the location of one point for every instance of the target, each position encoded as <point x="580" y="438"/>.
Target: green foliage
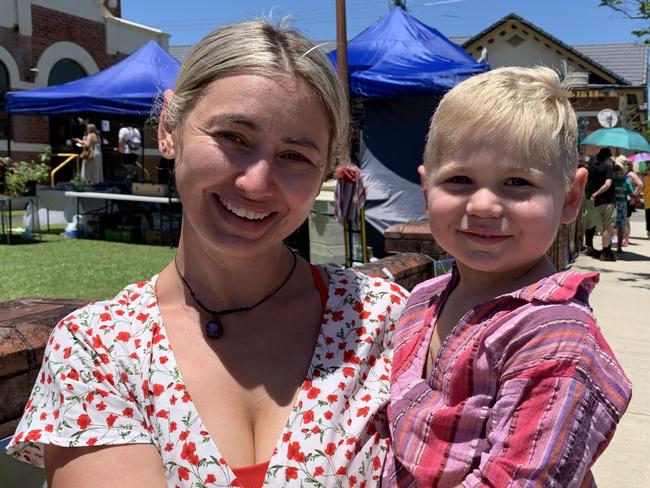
<point x="19" y="175"/>
<point x="633" y="10"/>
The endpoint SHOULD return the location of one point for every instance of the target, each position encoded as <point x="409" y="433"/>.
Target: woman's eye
<point x="232" y="137"/>
<point x="517" y="182"/>
<point x="297" y="157"/>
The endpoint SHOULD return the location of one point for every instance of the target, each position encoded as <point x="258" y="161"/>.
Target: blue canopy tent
<point x="129" y="87"/>
<point x="400" y="68"/>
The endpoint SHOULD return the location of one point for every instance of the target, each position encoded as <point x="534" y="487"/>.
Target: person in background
<point x="501" y="375"/>
<point x="646" y="201"/>
<point x="637" y="185"/>
<point x="92" y="167"/>
<point x="129" y="143"/>
<point x="623" y="190"/>
<point x="600" y="181"/>
<point x="239" y="364"/>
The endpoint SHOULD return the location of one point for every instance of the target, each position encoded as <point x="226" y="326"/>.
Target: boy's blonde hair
<point x="524" y="109"/>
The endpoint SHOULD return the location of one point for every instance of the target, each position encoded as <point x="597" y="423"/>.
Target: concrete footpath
<point x="621" y="302"/>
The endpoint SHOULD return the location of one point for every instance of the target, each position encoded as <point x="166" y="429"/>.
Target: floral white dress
<point x="109" y="377"/>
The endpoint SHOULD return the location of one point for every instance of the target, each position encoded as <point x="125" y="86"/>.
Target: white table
<point x="110" y="198"/>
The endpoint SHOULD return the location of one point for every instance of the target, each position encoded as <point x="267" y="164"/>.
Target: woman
<point x="92" y="168"/>
<point x="239" y="364"/>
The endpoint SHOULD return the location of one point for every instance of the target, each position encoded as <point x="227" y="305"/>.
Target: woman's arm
<point x="106" y="466"/>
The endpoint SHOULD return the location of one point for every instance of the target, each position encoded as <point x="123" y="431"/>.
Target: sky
<point x="572" y="21"/>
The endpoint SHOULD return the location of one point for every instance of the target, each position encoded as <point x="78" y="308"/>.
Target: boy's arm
<point x="553" y="416"/>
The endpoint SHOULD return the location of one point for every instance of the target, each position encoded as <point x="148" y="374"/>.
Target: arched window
<point x="65" y="70"/>
<point x="4" y="85"/>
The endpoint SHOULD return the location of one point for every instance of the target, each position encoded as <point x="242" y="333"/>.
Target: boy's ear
<point x="574" y="197"/>
<point x="165" y="138"/>
<point x="423" y="184"/>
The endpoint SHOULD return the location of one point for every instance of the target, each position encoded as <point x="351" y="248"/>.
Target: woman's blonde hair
<point x="260" y="47"/>
<point x="524" y="109"/>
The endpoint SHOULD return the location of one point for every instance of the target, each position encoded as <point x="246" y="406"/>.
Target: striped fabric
<point x="350" y="195"/>
<point x="525" y="390"/>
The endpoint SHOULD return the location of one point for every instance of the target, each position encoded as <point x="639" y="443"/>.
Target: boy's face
<point x="496" y="215"/>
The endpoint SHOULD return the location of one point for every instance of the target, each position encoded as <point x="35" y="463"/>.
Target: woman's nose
<point x="484" y="203"/>
<point x="257" y="179"/>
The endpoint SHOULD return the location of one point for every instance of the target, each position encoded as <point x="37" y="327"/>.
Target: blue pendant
<point x="213" y="329"/>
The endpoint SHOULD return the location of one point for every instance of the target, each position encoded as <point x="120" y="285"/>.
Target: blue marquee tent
<point x="399" y="57"/>
<point x="129" y="87"/>
<point x="400" y="67"/>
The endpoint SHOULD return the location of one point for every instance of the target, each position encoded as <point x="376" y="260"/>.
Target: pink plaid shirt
<point x="525" y="391"/>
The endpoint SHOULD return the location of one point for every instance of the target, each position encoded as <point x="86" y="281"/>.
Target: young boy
<point x="501" y="376"/>
<point x="623" y="189"/>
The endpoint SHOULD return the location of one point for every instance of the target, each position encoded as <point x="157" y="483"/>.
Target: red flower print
<point x="97" y="342"/>
<point x="183" y="473"/>
<point x="381" y="318"/>
<point x="169" y="446"/>
<point x="395" y="299"/>
<point x="73" y="375"/>
<point x="43" y="416"/>
<point x="184" y="435"/>
<point x="342" y="345"/>
<point x="110" y="420"/>
<point x="341" y="471"/>
<point x="330" y="449"/>
<point x="376" y="463"/>
<point x="348" y="372"/>
<point x="328" y="415"/>
<point x="352" y="480"/>
<point x="286" y="436"/>
<point x="372" y="360"/>
<point x="101" y="406"/>
<point x="49" y="428"/>
<point x="92" y="441"/>
<point x="158" y="389"/>
<point x="293" y="452"/>
<point x="308" y="416"/>
<point x="142" y="317"/>
<point x="340" y="291"/>
<point x="210" y="479"/>
<point x="337" y="316"/>
<point x="189" y="453"/>
<point x="162" y="414"/>
<point x="291" y="473"/>
<point x="318" y="471"/>
<point x="163" y="360"/>
<point x="329" y="341"/>
<point x="123" y="336"/>
<point x="33" y="435"/>
<point x="66" y="352"/>
<point x="350" y="356"/>
<point x="315" y="429"/>
<point x="157" y="338"/>
<point x="358" y="306"/>
<point x="366" y="398"/>
<point x="128" y="412"/>
<point x="363" y="411"/>
<point x="105" y="317"/>
<point x="83" y="421"/>
<point x="313" y="393"/>
<point x="172" y="426"/>
<point x="104" y="358"/>
<point x="361" y="330"/>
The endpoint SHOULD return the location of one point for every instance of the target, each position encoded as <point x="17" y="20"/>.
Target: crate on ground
<point x="150" y="189"/>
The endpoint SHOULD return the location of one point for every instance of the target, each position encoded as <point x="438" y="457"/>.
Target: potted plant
<point x="21" y="177"/>
<point x="78" y="183"/>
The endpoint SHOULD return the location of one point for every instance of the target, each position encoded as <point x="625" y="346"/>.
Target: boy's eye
<point x="517" y="182"/>
<point x="460" y="180"/>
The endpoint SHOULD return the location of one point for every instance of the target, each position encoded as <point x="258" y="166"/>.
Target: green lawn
<point x="76" y="268"/>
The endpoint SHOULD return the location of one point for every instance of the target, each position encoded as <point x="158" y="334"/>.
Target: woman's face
<point x="250" y="160"/>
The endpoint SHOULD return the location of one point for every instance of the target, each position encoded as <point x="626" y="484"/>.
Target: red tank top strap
<point x="251" y="476"/>
<point x="320" y="285"/>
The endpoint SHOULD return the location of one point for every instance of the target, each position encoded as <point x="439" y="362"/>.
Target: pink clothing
<point x="109" y="377"/>
<point x="524" y="392"/>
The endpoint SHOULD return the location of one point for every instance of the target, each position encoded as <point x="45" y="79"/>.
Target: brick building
<point x="49" y="42"/>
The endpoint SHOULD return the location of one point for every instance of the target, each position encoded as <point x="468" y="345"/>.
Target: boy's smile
<point x="494" y="214"/>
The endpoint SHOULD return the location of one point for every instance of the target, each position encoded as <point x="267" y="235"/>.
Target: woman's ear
<point x="423" y="184"/>
<point x="574" y="197"/>
<point x="165" y="136"/>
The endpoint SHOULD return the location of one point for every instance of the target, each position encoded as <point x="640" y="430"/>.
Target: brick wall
<point x="25" y="326"/>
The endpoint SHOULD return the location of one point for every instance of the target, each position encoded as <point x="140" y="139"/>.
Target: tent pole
<point x="9" y="135"/>
<point x="142" y="139"/>
<point x="341" y="46"/>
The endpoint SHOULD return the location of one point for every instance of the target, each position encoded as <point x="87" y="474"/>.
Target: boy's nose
<point x="484" y="203"/>
<point x="257" y="179"/>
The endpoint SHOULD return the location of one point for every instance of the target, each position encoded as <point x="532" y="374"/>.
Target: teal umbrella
<point x="617" y="137"/>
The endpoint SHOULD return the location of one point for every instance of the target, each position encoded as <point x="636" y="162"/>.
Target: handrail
<point x="69" y="157"/>
<point x="145" y="171"/>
